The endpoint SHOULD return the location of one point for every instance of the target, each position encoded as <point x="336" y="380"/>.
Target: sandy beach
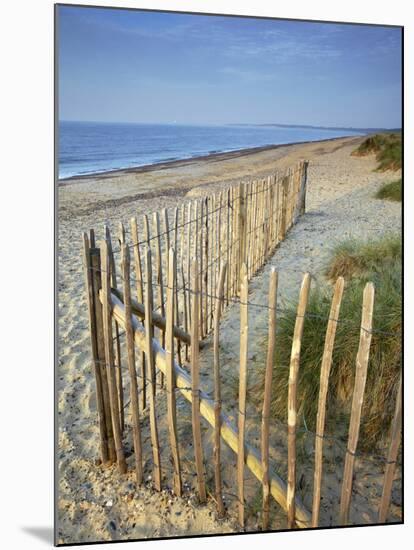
<point x="99" y="504"/>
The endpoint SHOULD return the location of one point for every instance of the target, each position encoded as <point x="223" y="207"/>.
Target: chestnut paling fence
<point x="185" y="272"/>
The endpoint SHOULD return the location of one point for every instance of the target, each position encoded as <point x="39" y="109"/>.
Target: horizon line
<point x="282" y="125"/>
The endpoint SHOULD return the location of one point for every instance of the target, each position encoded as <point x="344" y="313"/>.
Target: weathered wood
<point x="242" y="225"/>
<point x="195" y="366"/>
<point x="157" y="319"/>
<point x="267" y="393"/>
<point x="394" y="446"/>
<point x="202" y="266"/>
<point x="217" y="389"/>
<point x="125" y="266"/>
<point x="100" y="339"/>
<point x="159" y="278"/>
<point x="182" y="272"/>
<point x="109" y="356"/>
<point x="118" y="363"/>
<point x="303" y="188"/>
<point x="140" y="298"/>
<point x="283" y="213"/>
<point x="170" y="374"/>
<point x="87" y="265"/>
<point x="244" y="334"/>
<point x="323" y="391"/>
<point x="228" y="431"/>
<point x="357" y="400"/>
<point x="208" y="256"/>
<point x="188" y="265"/>
<point x="91" y="238"/>
<point x="149" y="349"/>
<point x="292" y="389"/>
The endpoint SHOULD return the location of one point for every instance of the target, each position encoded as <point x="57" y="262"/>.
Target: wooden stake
<point x="151" y="371"/>
<point x="140" y="298"/>
<point x="100" y="339"/>
<point x="198" y="450"/>
<point x="323" y="390"/>
<point x="131" y="362"/>
<point x="118" y="378"/>
<point x="87" y="264"/>
<point x="392" y="456"/>
<point x="244" y="333"/>
<point x="293" y="380"/>
<point x="159" y="275"/>
<point x="357" y="400"/>
<point x="242" y="224"/>
<point x="170" y="374"/>
<point x="109" y="356"/>
<point x="270" y="362"/>
<point x="217" y="390"/>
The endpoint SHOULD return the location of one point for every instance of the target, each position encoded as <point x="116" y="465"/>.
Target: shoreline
<point x="165" y="165"/>
<point x="340" y="203"/>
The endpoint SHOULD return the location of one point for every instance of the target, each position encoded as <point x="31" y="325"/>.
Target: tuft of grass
<point x="390" y="191"/>
<point x="353" y="258"/>
<point x="385" y="355"/>
<point x="388" y="149"/>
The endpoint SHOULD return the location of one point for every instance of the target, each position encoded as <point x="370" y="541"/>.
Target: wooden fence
<point x="206" y="262"/>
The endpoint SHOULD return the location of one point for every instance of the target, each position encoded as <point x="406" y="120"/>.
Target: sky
<point x="135" y="66"/>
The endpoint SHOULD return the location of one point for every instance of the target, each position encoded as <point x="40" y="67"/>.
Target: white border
<point x="26" y="387"/>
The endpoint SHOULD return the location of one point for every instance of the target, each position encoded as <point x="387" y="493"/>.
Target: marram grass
<point x="388" y="149"/>
<point x="385" y="355"/>
<point x="390" y="191"/>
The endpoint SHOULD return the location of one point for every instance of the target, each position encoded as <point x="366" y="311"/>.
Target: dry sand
<point x="98" y="504"/>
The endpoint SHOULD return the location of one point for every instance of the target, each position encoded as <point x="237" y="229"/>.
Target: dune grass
<point x="359" y="263"/>
<point x="388" y="149"/>
<point x="353" y="258"/>
<point x="390" y="191"/>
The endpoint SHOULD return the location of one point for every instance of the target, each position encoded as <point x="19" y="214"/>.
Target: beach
<point x="100" y="504"/>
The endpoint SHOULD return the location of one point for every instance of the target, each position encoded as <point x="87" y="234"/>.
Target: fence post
<point x="195" y="390"/>
<point x="242" y="224"/>
<point x="244" y="331"/>
<point x="357" y="400"/>
<point x="140" y="298"/>
<point x="283" y="207"/>
<point x="323" y="390"/>
<point x="109" y="356"/>
<point x="131" y="362"/>
<point x="160" y="283"/>
<point x="217" y="389"/>
<point x="270" y="361"/>
<point x="94" y="344"/>
<point x="292" y="389"/>
<point x="97" y="285"/>
<point x="392" y="456"/>
<point x="303" y="188"/>
<point x="151" y="370"/>
<point x="113" y="282"/>
<point x="170" y="375"/>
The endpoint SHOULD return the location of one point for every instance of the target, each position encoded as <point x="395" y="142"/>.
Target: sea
<point x="96" y="147"/>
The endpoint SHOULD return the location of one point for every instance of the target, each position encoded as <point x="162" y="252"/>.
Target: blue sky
<point x="132" y="66"/>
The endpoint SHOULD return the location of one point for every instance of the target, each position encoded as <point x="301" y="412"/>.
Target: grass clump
<point x="390" y="191"/>
<point x="388" y="149"/>
<point x="380" y="263"/>
<point x="353" y="258"/>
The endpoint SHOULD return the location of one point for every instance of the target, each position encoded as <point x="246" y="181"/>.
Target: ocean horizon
<point x="96" y="147"/>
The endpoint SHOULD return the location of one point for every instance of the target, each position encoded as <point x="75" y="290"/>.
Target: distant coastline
<point x="88" y="148"/>
<point x="164" y="165"/>
<point x="310" y="126"/>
